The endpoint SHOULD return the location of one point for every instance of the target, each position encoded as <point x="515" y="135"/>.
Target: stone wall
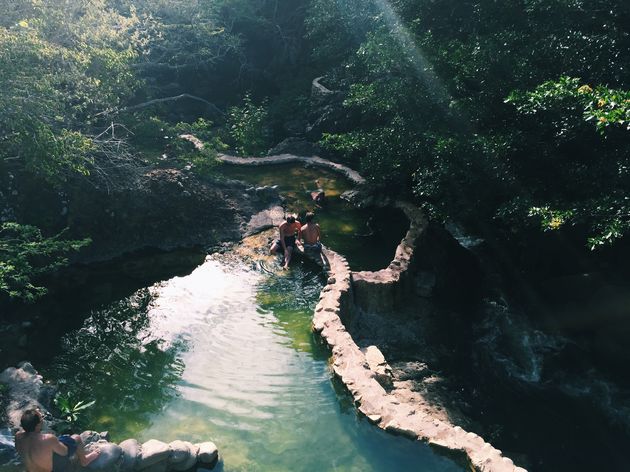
<point x="365" y="371"/>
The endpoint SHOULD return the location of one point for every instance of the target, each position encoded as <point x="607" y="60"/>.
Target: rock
<point x="23" y="390"/>
<point x="424" y="283"/>
<point x="296" y="146"/>
<point x="180" y="451"/>
<point x="8" y="453"/>
<point x="189" y="462"/>
<point x="377" y="363"/>
<point x="153" y="451"/>
<point x="208" y="453"/>
<point x="131" y="450"/>
<point x="89" y="437"/>
<point x="107" y="461"/>
<point x="27" y="367"/>
<point x="159" y="467"/>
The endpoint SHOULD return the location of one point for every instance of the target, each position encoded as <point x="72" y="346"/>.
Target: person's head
<point x="31" y="418"/>
<point x="309" y="216"/>
<point x="290" y="219"/>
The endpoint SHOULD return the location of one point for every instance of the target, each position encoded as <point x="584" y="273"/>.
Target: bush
<point x="25" y="255"/>
<point x="248" y="128"/>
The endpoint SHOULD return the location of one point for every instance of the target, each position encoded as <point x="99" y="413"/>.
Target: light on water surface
<point x="238" y="366"/>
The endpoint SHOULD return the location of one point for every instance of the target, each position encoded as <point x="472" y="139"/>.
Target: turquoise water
<point x="226" y="354"/>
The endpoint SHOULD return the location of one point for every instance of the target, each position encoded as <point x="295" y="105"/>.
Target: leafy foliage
<point x="25" y="255"/>
<point x="513" y="115"/>
<point x="247" y="125"/>
<point x="71" y="410"/>
<point x="60" y="64"/>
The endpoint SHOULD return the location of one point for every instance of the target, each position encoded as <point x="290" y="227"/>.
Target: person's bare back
<point x="310" y="233"/>
<point x="36" y="448"/>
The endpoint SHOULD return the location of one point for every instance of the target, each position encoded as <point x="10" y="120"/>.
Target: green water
<point x="367" y="238"/>
<point x="226" y="354"/>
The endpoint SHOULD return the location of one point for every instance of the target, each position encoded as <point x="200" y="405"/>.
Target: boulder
<point x="377" y="363"/>
<point x="131" y="450"/>
<point x="153" y="451"/>
<point x="24" y="387"/>
<point x="109" y="458"/>
<point x="158" y="467"/>
<point x="296" y="146"/>
<point x="182" y="451"/>
<point x="7" y="447"/>
<point x="208" y="453"/>
<point x="189" y="462"/>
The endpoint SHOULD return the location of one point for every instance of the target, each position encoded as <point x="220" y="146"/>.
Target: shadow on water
<point x="76" y="291"/>
<point x="115" y="360"/>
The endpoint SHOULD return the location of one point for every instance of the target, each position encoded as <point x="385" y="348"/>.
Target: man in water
<point x="290" y="232"/>
<point x="311" y="234"/>
<point x="39" y="450"/>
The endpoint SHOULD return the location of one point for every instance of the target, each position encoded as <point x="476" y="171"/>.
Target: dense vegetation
<point x="511" y="115"/>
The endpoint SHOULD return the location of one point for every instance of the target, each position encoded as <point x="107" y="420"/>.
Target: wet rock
<point x="189" y="461"/>
<point x="131" y="449"/>
<point x="180" y="451"/>
<point x="208" y="453"/>
<point x="153" y="451"/>
<point x="23" y="389"/>
<point x="108" y="460"/>
<point x="8" y="454"/>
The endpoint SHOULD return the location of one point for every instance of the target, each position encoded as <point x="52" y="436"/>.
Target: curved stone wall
<point x="363" y="370"/>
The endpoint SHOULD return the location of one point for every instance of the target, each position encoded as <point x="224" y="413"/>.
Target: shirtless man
<point x="289" y="229"/>
<point x="311" y="234"/>
<point x="37" y="449"/>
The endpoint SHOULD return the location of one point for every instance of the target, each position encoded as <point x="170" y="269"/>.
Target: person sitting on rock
<point x="290" y="232"/>
<point x="311" y="234"/>
<point x="42" y="452"/>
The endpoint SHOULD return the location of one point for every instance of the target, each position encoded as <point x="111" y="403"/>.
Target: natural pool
<point x="366" y="237"/>
<point x="227" y="354"/>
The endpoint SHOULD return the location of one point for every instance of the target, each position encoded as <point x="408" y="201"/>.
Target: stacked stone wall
<point x="364" y="371"/>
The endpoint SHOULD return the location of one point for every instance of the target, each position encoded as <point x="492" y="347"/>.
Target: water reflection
<point x="116" y="360"/>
